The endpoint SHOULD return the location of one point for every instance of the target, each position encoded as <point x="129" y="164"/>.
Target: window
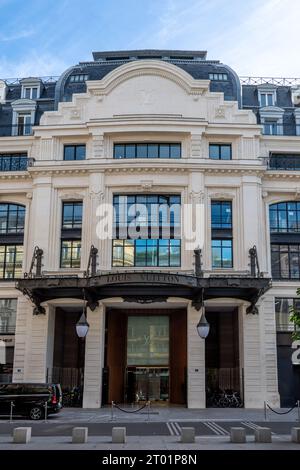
<point x="218" y="76"/>
<point x="74" y="152"/>
<point x="72" y="215"/>
<point x="11" y="258"/>
<point x="266" y="99"/>
<point x="12" y="219"/>
<point x="70" y="253"/>
<point x="146" y="252"/>
<point x="24" y="124"/>
<point x="13" y="162"/>
<point x="30" y="93"/>
<point x="220" y="151"/>
<point x="221" y="234"/>
<point x="8" y="314"/>
<point x="155" y="240"/>
<point x="285" y="261"/>
<point x="270" y="127"/>
<point x="71" y="234"/>
<point x="222" y="253"/>
<point x="283" y="313"/>
<point x="78" y="78"/>
<point x="285" y="217"/>
<point x="221" y="216"/>
<point x="147" y="150"/>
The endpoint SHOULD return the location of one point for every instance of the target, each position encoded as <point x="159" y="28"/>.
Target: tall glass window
<point x="72" y="215"/>
<point x="70" y="254"/>
<point x="283" y="307"/>
<point x="147" y="150"/>
<point x="146" y="230"/>
<point x="221" y="234"/>
<point x="285" y="217"/>
<point x="11" y="259"/>
<point x="220" y="151"/>
<point x="12" y="219"/>
<point x="8" y="314"/>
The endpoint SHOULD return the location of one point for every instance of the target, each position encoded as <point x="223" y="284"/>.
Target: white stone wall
<point x="195" y="362"/>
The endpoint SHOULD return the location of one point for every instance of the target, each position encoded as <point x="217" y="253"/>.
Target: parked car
<point x="29" y="399"/>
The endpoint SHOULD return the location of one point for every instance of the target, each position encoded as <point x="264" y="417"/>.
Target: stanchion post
<point x="148" y="403"/>
<point x="46" y="409"/>
<point x="112" y="410"/>
<point x="298" y="406"/>
<point x="265" y="410"/>
<point x="11" y="411"/>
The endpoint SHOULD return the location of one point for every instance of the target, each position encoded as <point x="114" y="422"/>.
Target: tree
<point x="295" y="318"/>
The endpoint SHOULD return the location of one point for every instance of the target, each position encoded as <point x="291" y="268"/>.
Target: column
<point x="22" y="336"/>
<point x="195" y="362"/>
<point x="94" y="358"/>
<point x="253" y="383"/>
<point x="36" y="370"/>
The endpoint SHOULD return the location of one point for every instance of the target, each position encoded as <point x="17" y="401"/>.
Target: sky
<point x="45" y="37"/>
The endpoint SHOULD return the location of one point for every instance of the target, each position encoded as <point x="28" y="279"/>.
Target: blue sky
<point x="44" y="37"/>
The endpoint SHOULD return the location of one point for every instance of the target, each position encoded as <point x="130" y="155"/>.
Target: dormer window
<point x="30" y="93"/>
<point x="31" y="88"/>
<point x="267" y="96"/>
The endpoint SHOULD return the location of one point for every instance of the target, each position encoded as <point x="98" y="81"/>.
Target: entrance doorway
<point x="68" y="356"/>
<point x="223" y="374"/>
<point x="145" y="356"/>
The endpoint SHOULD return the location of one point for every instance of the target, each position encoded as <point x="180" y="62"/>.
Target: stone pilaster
<point x="195" y="362"/>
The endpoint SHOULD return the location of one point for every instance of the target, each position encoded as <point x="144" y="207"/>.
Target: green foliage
<point x="295" y="317"/>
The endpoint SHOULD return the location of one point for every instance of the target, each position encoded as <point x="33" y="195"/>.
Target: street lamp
<point x="203" y="325"/>
<point x="82" y="326"/>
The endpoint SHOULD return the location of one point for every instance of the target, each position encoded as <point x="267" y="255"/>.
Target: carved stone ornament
<point x="196" y="196"/>
<point x="96" y="193"/>
<point x="220" y="112"/>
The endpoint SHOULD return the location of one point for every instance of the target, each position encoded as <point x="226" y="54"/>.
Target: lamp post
<point x="82" y="326"/>
<point x="203" y="325"/>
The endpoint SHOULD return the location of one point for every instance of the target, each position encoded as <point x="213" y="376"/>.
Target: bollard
<point x="21" y="435"/>
<point x="296" y="435"/>
<point x="118" y="435"/>
<point x="148" y="405"/>
<point x="79" y="435"/>
<point x="237" y="435"/>
<point x="263" y="435"/>
<point x="187" y="435"/>
<point x="265" y="410"/>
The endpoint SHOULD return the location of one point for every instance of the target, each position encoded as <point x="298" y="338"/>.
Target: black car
<point x="29" y="399"/>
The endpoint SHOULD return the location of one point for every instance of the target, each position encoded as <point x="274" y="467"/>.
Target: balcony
<point x="272" y="128"/>
<point x="15" y="162"/>
<point x="285" y="162"/>
<point x="16" y="130"/>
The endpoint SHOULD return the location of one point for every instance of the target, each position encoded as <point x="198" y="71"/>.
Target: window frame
<point x="75" y="147"/>
<point x="148" y="145"/>
<point x="71" y="249"/>
<point x="219" y="146"/>
<point x="73" y="224"/>
<point x="5" y="262"/>
<point x="222" y="240"/>
<point x="19" y="208"/>
<point x="158" y="245"/>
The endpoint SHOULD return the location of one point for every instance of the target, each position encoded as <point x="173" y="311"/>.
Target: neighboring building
<point x="150" y="127"/>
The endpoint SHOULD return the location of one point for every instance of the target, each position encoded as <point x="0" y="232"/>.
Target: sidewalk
<point x="180" y="414"/>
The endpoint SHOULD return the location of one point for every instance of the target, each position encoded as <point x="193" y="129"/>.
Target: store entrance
<point x="146" y="356"/>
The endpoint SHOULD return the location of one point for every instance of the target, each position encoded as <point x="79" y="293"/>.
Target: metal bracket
<point x="92" y="263"/>
<point x="36" y="260"/>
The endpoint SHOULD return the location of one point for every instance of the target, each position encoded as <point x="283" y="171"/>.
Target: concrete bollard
<point x="21" y="435"/>
<point x="263" y="435"/>
<point x="187" y="435"/>
<point x="79" y="435"/>
<point x="296" y="435"/>
<point x="237" y="435"/>
<point x="118" y="435"/>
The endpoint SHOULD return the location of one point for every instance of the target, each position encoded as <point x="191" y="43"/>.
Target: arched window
<point x="12" y="220"/>
<point x="285" y="240"/>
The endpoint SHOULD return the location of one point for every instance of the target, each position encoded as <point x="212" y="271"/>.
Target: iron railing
<point x="286" y="162"/>
<point x="272" y="128"/>
<point x="17" y="81"/>
<point x="15" y="162"/>
<point x="270" y="81"/>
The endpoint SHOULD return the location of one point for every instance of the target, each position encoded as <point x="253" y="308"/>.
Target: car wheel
<point x="35" y="413"/>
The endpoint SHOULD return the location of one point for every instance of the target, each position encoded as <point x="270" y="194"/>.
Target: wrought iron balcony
<point x="16" y="130"/>
<point x="283" y="162"/>
<point x="15" y="162"/>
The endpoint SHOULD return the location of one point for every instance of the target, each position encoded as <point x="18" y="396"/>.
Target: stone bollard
<point x="296" y="435"/>
<point x="118" y="435"/>
<point x="21" y="435"/>
<point x="187" y="435"/>
<point x="237" y="435"/>
<point x="263" y="435"/>
<point x="79" y="435"/>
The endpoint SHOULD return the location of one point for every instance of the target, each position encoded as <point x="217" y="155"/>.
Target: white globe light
<point x="203" y="326"/>
<point x="82" y="327"/>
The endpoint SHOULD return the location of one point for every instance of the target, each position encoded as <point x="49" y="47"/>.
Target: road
<point x="170" y="428"/>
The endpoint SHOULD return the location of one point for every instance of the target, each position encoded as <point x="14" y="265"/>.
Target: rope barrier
<point x="284" y="412"/>
<point x="127" y="411"/>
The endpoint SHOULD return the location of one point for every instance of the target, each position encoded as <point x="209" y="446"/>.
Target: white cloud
<point x="15" y="36"/>
<point x="32" y="65"/>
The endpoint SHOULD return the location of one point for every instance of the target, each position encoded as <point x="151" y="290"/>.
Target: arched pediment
<point x="147" y="68"/>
